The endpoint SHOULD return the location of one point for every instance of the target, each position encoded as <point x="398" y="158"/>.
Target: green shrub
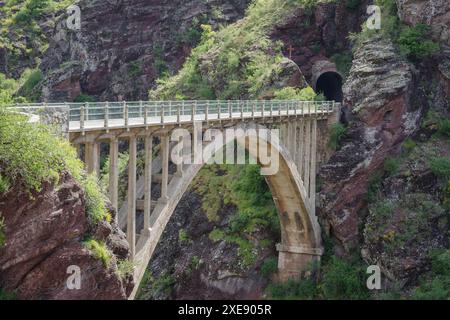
<point x="436" y="286"/>
<point x="304" y="289"/>
<point x="100" y="251"/>
<point x="415" y="44"/>
<point x="391" y="165"/>
<point x="83" y="97"/>
<point x="343" y="62"/>
<point x="125" y="269"/>
<point x="183" y="236"/>
<point x="338" y="130"/>
<point x="216" y="235"/>
<point x="444" y="128"/>
<point x="269" y="267"/>
<point x="343" y="280"/>
<point x="409" y="145"/>
<point x="4" y="184"/>
<point x="440" y="167"/>
<point x="352" y="4"/>
<point x="32" y="79"/>
<point x="163" y="285"/>
<point x="33" y="154"/>
<point x="95" y="200"/>
<point x="7" y="295"/>
<point x="290" y="93"/>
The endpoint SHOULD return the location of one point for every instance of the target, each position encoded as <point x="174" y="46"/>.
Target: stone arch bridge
<point x="143" y="217"/>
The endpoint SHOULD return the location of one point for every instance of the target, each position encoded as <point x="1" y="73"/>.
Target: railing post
<point x="242" y="111"/>
<point x="182" y="107"/>
<point x="271" y="109"/>
<point x="106" y="114"/>
<point x="218" y="105"/>
<point x="263" y="106"/>
<point x="140" y="108"/>
<point x="178" y="114"/>
<point x="207" y="111"/>
<point x="146" y="114"/>
<point x="162" y="113"/>
<point x="82" y="113"/>
<point x="125" y="113"/>
<point x="230" y="109"/>
<point x="253" y="110"/>
<point x="194" y="110"/>
<point x="86" y="111"/>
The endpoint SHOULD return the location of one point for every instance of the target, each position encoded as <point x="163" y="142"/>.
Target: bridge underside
<point x="144" y="218"/>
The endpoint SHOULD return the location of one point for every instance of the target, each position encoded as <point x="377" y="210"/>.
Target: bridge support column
<point x="114" y="172"/>
<point x="307" y="155"/>
<point x="165" y="167"/>
<point x="292" y="260"/>
<point x="179" y="172"/>
<point x="312" y="191"/>
<point x="92" y="157"/>
<point x="131" y="218"/>
<point x="148" y="184"/>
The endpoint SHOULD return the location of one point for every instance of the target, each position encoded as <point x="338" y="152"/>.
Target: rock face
<point x="377" y="93"/>
<point x="311" y="35"/>
<point x="435" y="13"/>
<point x="44" y="237"/>
<point x="123" y="42"/>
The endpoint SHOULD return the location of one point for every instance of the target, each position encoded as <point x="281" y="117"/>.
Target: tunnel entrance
<point x="330" y="84"/>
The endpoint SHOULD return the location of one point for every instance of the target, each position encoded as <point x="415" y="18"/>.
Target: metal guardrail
<point x="165" y="112"/>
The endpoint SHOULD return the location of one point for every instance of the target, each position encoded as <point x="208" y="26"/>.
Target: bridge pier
<point x="114" y="172"/>
<point x="295" y="260"/>
<point x="165" y="141"/>
<point x="131" y="217"/>
<point x="92" y="157"/>
<point x="148" y="184"/>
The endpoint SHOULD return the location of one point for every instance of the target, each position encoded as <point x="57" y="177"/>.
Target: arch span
<point x="300" y="231"/>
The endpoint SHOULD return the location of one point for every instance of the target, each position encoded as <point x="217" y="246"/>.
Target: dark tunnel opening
<point x="330" y="84"/>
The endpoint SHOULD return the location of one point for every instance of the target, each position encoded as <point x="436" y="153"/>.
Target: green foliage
<point x="100" y="251"/>
<point x="244" y="188"/>
<point x="290" y="93"/>
<point x="20" y="28"/>
<point x="4" y="185"/>
<point x="305" y="289"/>
<point x="135" y="69"/>
<point x="337" y="131"/>
<point x="352" y="4"/>
<point x="33" y="153"/>
<point x="125" y="269"/>
<point x="343" y="62"/>
<point x="163" y="285"/>
<point x="391" y="165"/>
<point x="238" y="61"/>
<point x="95" y="200"/>
<point x="415" y="44"/>
<point x="436" y="286"/>
<point x="409" y="145"/>
<point x="7" y="295"/>
<point x="440" y="167"/>
<point x="269" y="267"/>
<point x="343" y="280"/>
<point x="444" y="128"/>
<point x="2" y="232"/>
<point x="374" y="187"/>
<point x="183" y="236"/>
<point x="83" y="97"/>
<point x="31" y="80"/>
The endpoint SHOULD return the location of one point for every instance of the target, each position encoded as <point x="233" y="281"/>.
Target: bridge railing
<point x="106" y="114"/>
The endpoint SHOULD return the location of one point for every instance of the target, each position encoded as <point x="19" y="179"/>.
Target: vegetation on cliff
<point x="238" y="61"/>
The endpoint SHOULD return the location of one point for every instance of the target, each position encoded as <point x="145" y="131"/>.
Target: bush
<point x="4" y="185"/>
<point x="391" y="165"/>
<point x="444" y="128"/>
<point x="440" y="167"/>
<point x="125" y="269"/>
<point x="183" y="236"/>
<point x="415" y="44"/>
<point x="32" y="79"/>
<point x="269" y="267"/>
<point x="305" y="289"/>
<point x="33" y="154"/>
<point x="7" y="295"/>
<point x="100" y="251"/>
<point x="337" y="131"/>
<point x="343" y="280"/>
<point x="409" y="145"/>
<point x="290" y="93"/>
<point x="82" y="98"/>
<point x="95" y="200"/>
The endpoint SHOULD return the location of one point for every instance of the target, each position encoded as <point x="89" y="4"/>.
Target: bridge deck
<point x="116" y="115"/>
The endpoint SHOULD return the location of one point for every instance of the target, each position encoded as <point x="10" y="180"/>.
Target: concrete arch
<point x="300" y="231"/>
